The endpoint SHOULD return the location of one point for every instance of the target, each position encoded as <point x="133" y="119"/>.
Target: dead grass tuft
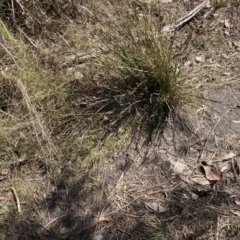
<point x="137" y="81"/>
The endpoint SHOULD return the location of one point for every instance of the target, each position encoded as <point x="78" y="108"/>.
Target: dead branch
<point x="181" y="21"/>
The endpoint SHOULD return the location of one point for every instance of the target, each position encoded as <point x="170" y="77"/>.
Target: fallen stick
<point x="189" y="16"/>
<point x="17" y="199"/>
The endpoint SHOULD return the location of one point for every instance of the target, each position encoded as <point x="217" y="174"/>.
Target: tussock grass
<point x="51" y="119"/>
<point x="138" y="81"/>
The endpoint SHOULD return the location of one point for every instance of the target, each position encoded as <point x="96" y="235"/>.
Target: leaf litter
<point x="210" y="172"/>
<point x="155" y="207"/>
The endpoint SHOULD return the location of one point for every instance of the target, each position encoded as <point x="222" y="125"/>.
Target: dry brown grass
<point x="59" y="142"/>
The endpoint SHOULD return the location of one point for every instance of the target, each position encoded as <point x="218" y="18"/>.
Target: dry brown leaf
<point x="200" y="180"/>
<point x="210" y="173"/>
<point x="94" y="221"/>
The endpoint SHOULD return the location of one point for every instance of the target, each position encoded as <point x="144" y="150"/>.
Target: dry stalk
<point x="17" y="199"/>
<point x="181" y="21"/>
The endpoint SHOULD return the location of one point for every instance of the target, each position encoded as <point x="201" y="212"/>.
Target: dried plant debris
<point x="229" y="156"/>
<point x="237" y="213"/>
<point x="4" y="174"/>
<point x="5" y="196"/>
<point x="210" y="172"/>
<point x="155" y="207"/>
<point x="94" y="221"/>
<point x="180" y="167"/>
<point x="200" y="180"/>
<point x="224" y="167"/>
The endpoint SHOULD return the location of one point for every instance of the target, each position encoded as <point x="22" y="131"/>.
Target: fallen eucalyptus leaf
<point x="210" y="172"/>
<point x="200" y="180"/>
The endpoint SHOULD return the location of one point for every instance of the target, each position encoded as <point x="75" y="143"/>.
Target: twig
<point x="217" y="227"/>
<point x="122" y="231"/>
<point x="54" y="220"/>
<point x="17" y="199"/>
<point x="181" y="21"/>
<point x="28" y="38"/>
<point x="111" y="213"/>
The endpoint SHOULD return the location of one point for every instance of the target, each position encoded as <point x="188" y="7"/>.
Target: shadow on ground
<point x="148" y="193"/>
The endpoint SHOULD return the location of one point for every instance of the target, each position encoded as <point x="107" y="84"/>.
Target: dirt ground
<point x="161" y="190"/>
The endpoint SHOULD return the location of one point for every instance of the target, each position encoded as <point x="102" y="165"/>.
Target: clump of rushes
<point x="138" y="82"/>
